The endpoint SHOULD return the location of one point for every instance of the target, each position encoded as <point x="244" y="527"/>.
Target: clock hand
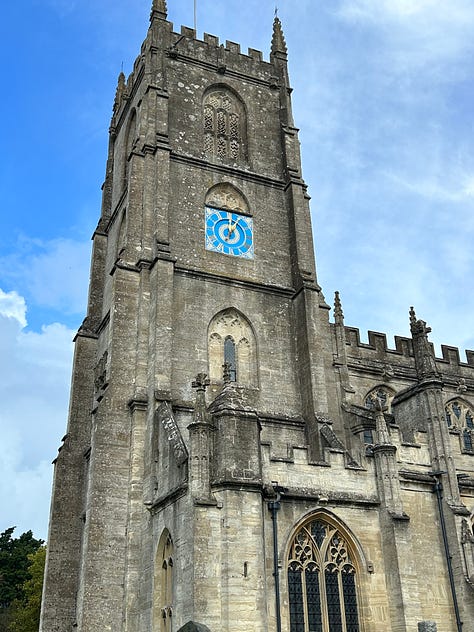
<point x="232" y="228"/>
<point x="235" y="225"/>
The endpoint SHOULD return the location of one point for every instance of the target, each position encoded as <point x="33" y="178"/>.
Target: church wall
<point x="187" y="84"/>
<point x="271" y="263"/>
<point x="427" y="564"/>
<point x="197" y="302"/>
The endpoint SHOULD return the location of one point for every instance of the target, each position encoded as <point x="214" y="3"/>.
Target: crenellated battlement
<point x="229" y="55"/>
<point x="208" y="52"/>
<point x="378" y="342"/>
<point x="403" y="347"/>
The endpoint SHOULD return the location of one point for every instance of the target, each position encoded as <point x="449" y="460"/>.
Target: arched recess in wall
<point x="163" y="584"/>
<point x="459" y="414"/>
<point x="130" y="139"/>
<point x="383" y="393"/>
<point x="227" y="197"/>
<point x="325" y="570"/>
<point x="225" y="125"/>
<point x="231" y="339"/>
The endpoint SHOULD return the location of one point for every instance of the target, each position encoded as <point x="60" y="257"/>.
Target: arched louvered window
<point x="322" y="586"/>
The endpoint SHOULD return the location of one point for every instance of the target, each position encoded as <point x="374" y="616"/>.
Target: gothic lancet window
<point x="224" y="125"/>
<point x="231" y="342"/>
<point x="322" y="580"/>
<point x="460" y="418"/>
<point x="163" y="592"/>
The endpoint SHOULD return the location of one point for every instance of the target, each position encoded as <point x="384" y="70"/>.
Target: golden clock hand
<point x="235" y="225"/>
<point x="231" y="228"/>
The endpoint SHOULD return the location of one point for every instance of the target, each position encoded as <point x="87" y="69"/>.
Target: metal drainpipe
<point x="274" y="506"/>
<point x="438" y="489"/>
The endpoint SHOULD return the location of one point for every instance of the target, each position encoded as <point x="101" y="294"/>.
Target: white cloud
<point x="34" y="383"/>
<point x="12" y="305"/>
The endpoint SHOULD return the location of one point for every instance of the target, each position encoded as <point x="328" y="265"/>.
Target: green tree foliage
<point x="14" y="565"/>
<point x="26" y="612"/>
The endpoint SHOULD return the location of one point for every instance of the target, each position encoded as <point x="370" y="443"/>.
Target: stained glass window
<point x="469" y="420"/>
<point x="467" y="438"/>
<point x="321" y="581"/>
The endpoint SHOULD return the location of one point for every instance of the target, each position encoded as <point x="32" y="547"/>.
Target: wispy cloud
<point x="416" y="33"/>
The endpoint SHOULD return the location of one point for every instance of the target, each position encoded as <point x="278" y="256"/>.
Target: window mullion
<point x="305" y="600"/>
<point x="342" y="602"/>
<point x="324" y="603"/>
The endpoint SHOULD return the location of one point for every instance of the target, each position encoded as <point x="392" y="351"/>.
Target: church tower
<point x="220" y="471"/>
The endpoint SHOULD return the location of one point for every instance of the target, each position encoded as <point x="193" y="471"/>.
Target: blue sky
<point x="383" y="97"/>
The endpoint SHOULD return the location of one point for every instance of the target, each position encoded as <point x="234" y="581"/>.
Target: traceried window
<point x="460" y="418"/>
<point x="322" y="585"/>
<point x="382" y="393"/>
<point x="232" y="349"/>
<point x="224" y="125"/>
<point x="163" y="593"/>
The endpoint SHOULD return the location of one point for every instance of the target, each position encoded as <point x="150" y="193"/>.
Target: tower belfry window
<point x="224" y="125"/>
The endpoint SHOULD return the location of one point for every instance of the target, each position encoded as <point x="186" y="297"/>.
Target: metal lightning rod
<point x="195" y="16"/>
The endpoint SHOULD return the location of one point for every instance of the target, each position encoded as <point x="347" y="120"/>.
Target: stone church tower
<point x="235" y="459"/>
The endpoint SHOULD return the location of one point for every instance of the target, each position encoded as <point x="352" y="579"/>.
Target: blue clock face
<point x="229" y="233"/>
